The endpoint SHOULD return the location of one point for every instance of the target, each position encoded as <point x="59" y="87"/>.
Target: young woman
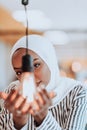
<point x="59" y="105"/>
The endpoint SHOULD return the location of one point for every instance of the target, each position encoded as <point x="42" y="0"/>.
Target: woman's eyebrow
<point x="17" y="68"/>
<point x="35" y="59"/>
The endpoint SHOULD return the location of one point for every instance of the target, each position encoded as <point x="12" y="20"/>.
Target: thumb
<point x="3" y="95"/>
<point x="52" y="94"/>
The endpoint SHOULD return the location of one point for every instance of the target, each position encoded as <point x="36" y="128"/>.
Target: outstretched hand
<point x="15" y="102"/>
<point x="40" y="105"/>
<point x="20" y="108"/>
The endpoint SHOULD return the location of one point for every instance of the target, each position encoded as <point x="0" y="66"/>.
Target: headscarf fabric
<point x="44" y="48"/>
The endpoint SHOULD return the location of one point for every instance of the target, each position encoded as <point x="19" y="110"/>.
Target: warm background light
<point x="76" y="66"/>
<point x="37" y="19"/>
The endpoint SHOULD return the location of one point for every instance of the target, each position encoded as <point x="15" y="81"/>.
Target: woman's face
<point x="41" y="70"/>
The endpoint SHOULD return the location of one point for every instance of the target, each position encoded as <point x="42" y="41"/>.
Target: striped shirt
<point x="68" y="114"/>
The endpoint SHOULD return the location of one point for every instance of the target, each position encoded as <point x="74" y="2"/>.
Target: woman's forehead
<point x="22" y="51"/>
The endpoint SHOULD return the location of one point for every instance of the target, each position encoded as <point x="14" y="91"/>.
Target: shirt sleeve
<point x="6" y="120"/>
<point x="77" y="115"/>
<point x="74" y="117"/>
<point x="49" y="123"/>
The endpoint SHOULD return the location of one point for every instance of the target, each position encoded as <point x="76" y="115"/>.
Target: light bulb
<point x="29" y="86"/>
<point x="27" y="79"/>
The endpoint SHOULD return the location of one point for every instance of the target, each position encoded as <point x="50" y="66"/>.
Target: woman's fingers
<point x="42" y="100"/>
<point x="11" y="96"/>
<point x="37" y="104"/>
<point x="18" y="101"/>
<point x="39" y="97"/>
<point x="10" y="100"/>
<point x="44" y="96"/>
<point x="3" y="95"/>
<point x="23" y="105"/>
<point x="14" y="101"/>
<point x="52" y="94"/>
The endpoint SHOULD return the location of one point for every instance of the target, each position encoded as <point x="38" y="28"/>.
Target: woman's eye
<point x="18" y="73"/>
<point x="36" y="65"/>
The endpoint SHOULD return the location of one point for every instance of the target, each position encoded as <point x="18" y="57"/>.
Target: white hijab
<point x="44" y="48"/>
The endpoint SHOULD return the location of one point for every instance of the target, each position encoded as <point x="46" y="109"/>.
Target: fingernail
<point x="39" y="89"/>
<point x="52" y="94"/>
<point x="42" y="86"/>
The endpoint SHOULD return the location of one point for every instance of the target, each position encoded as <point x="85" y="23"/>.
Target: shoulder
<point x="75" y="87"/>
<point x="72" y="84"/>
<point x="69" y="90"/>
<point x="77" y="95"/>
<point x="79" y="88"/>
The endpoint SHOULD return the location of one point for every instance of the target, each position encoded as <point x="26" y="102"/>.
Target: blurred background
<point x="64" y="22"/>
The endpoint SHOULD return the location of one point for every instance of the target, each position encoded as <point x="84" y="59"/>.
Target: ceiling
<point x="69" y="15"/>
<point x="65" y="15"/>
